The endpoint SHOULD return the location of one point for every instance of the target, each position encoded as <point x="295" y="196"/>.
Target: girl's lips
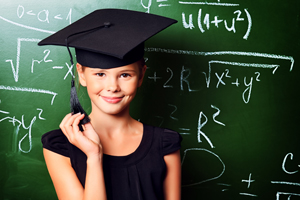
<point x="112" y="99"/>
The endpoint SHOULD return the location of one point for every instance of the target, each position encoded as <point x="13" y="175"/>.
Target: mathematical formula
<point x="43" y="15"/>
<point x="205" y="23"/>
<point x="21" y="124"/>
<point x="221" y="79"/>
<point x="249" y="181"/>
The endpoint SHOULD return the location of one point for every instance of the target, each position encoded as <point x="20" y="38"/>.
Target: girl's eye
<point x="124" y="75"/>
<point x="100" y="74"/>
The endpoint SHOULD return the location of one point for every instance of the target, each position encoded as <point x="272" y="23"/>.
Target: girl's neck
<point x="112" y="124"/>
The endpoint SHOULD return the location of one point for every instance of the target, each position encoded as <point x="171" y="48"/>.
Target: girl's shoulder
<point x="170" y="140"/>
<point x="56" y="141"/>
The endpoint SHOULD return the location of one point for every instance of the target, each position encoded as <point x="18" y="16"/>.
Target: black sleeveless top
<point x="137" y="176"/>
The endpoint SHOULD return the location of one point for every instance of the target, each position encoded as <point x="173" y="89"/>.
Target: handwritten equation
<point x="22" y="134"/>
<point x="42" y="16"/>
<point x="248" y="181"/>
<point x="19" y="124"/>
<point x="224" y="78"/>
<point x="213" y="79"/>
<point x="205" y="21"/>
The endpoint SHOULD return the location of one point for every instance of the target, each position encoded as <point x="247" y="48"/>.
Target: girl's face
<point x="111" y="90"/>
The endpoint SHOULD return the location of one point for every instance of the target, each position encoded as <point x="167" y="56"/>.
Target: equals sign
<point x="57" y="67"/>
<point x="223" y="184"/>
<point x="162" y="3"/>
<point x="184" y="131"/>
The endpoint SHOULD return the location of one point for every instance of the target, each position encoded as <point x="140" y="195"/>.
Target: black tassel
<point x="76" y="107"/>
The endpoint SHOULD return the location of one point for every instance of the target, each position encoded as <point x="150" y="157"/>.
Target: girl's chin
<point x="111" y="111"/>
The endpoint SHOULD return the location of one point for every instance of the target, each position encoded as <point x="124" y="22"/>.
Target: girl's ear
<point x="143" y="71"/>
<point x="80" y="71"/>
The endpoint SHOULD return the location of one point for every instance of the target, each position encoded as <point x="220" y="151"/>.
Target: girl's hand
<point x="87" y="141"/>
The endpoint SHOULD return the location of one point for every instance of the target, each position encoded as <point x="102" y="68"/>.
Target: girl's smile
<point x="112" y="99"/>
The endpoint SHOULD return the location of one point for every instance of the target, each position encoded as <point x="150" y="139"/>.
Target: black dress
<point x="137" y="176"/>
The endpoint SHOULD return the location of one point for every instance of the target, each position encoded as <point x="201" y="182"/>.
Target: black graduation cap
<point x="107" y="38"/>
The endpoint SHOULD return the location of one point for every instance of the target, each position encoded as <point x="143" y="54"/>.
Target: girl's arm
<point x="64" y="178"/>
<point x="172" y="183"/>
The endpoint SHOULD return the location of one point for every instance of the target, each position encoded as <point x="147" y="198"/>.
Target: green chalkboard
<point x="226" y="77"/>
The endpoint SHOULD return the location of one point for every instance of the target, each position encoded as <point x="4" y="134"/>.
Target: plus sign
<point x="154" y="77"/>
<point x="236" y="82"/>
<point x="249" y="181"/>
<point x="216" y="21"/>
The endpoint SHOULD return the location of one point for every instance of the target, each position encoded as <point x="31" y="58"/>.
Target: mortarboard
<point x="107" y="38"/>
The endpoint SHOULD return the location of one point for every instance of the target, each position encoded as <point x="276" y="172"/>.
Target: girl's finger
<point x="88" y="126"/>
<point x="70" y="121"/>
<point x="62" y="125"/>
<point x="76" y="122"/>
<point x="65" y="119"/>
<point x="68" y="126"/>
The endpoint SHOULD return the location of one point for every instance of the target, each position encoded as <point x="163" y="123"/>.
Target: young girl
<point x="110" y="155"/>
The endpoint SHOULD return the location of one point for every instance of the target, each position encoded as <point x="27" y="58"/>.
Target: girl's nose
<point x="113" y="85"/>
